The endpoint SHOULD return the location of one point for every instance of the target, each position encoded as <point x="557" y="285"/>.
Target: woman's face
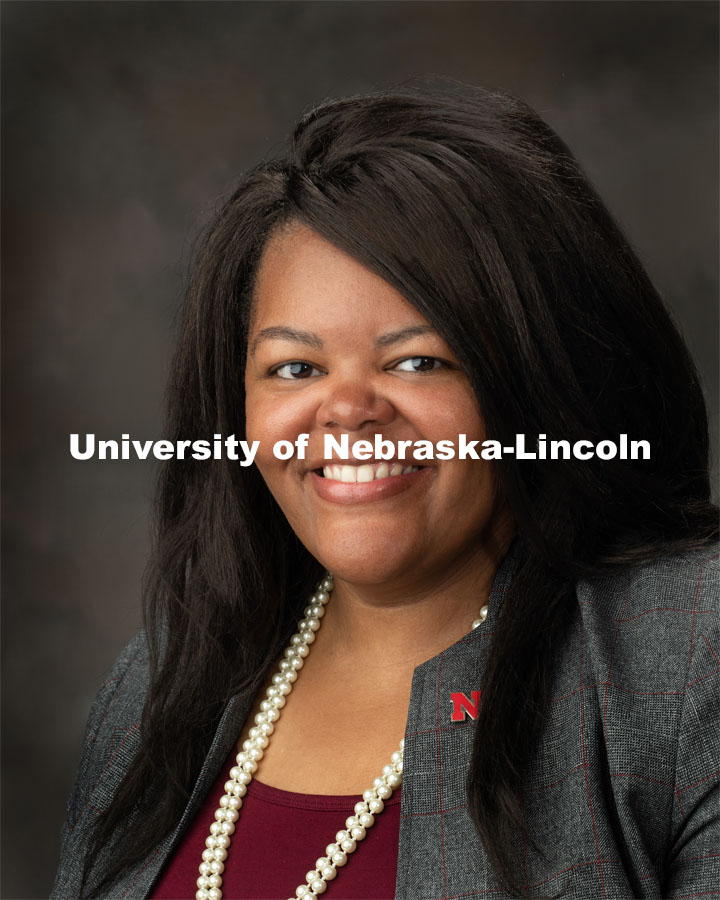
<point x="334" y="349"/>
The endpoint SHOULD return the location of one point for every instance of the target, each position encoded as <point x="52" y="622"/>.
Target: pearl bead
<point x="208" y="855"/>
<point x="348" y="845"/>
<point x="277" y="702"/>
<point x="297" y="641"/>
<point x="394" y="780"/>
<point x="361" y="807"/>
<point x="313" y="623"/>
<point x="319" y="886"/>
<point x="311" y="876"/>
<point x="357" y="832"/>
<point x="384" y="792"/>
<point x="222" y="840"/>
<point x="302" y="650"/>
<point x="328" y="583"/>
<point x="367" y="820"/>
<point x="303" y="891"/>
<point x="396" y="757"/>
<point x="351" y="821"/>
<point x="214" y="894"/>
<point x="322" y="597"/>
<point x="220" y="854"/>
<point x="341" y="836"/>
<point x="308" y="636"/>
<point x="338" y="858"/>
<point x="202" y="895"/>
<point x="321" y="862"/>
<point x="328" y="872"/>
<point x="205" y="868"/>
<point x="330" y="849"/>
<point x="288" y="671"/>
<point x="376" y="806"/>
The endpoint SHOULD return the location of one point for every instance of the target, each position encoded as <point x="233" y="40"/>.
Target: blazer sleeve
<point x="92" y="762"/>
<point x="694" y="859"/>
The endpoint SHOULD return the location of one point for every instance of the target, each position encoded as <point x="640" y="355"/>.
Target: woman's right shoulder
<point x="111" y="742"/>
<point x="127" y="675"/>
<point x="112" y="731"/>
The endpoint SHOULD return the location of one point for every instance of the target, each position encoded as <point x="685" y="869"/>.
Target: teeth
<point x="360" y="474"/>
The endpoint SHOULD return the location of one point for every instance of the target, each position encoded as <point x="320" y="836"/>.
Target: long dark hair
<point x="474" y="209"/>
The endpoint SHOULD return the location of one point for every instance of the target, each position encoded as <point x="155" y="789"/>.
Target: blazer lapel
<point x="138" y="883"/>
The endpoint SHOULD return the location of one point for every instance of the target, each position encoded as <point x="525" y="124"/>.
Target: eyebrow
<point x="310" y="339"/>
<point x="284" y="333"/>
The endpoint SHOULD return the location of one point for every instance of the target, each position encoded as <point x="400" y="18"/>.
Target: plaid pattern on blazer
<point x="623" y="794"/>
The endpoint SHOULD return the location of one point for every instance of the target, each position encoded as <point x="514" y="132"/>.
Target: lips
<point x="366" y="473"/>
<point x="366" y="483"/>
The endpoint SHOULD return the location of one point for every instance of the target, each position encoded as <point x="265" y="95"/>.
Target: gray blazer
<point x="623" y="792"/>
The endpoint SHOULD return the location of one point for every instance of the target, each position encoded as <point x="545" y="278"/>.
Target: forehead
<point x="302" y="279"/>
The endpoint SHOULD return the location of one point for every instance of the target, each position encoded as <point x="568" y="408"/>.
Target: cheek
<point x="270" y="419"/>
<point x="273" y="418"/>
<point x="444" y="416"/>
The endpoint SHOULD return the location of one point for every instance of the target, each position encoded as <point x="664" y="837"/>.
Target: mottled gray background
<point x="123" y="123"/>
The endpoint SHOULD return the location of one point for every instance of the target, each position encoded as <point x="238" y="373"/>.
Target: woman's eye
<point x="419" y="364"/>
<point x="293" y="371"/>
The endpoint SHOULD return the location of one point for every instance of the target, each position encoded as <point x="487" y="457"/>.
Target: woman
<point x="422" y="264"/>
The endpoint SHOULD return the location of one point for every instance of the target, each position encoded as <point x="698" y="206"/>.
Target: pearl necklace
<point x="373" y="800"/>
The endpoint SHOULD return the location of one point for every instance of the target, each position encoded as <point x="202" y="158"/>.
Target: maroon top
<point x="277" y="839"/>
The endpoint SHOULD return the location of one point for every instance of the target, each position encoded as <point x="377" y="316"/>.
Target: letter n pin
<point x="463" y="706"/>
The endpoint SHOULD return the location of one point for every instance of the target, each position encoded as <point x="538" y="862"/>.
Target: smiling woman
<point x="361" y="341"/>
<point x="422" y="677"/>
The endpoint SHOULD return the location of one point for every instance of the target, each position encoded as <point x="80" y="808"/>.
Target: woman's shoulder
<point x="112" y="730"/>
<point x="686" y="582"/>
<point x="654" y="627"/>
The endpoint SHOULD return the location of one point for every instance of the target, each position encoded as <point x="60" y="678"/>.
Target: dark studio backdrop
<point x="123" y="123"/>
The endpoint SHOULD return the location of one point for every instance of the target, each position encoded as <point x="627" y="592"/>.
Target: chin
<point x="359" y="560"/>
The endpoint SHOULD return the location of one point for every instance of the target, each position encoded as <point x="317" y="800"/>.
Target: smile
<point x="368" y="483"/>
<point x="366" y="473"/>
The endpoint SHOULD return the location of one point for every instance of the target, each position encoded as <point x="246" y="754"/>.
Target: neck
<point x="408" y="621"/>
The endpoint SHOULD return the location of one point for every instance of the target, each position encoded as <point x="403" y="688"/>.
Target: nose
<point x="352" y="404"/>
